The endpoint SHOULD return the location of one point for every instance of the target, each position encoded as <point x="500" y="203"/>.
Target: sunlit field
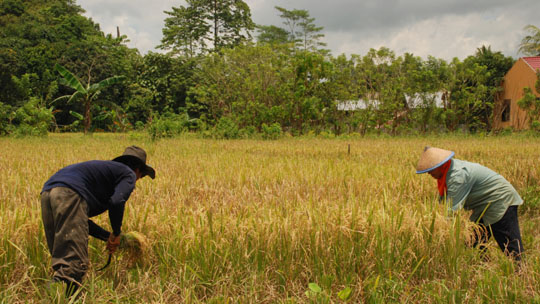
<point x="287" y="221"/>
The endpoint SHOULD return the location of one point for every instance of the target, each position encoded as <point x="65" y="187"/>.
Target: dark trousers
<point x="65" y="219"/>
<point x="506" y="233"/>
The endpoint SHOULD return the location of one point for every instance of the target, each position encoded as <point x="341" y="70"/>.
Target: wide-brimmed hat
<point x="432" y="158"/>
<point x="137" y="154"/>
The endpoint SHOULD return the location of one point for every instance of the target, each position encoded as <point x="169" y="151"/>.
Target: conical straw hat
<point x="432" y="158"/>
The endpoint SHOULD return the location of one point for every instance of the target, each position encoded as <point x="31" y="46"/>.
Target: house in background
<point x="417" y="100"/>
<point x="421" y="100"/>
<point x="506" y="112"/>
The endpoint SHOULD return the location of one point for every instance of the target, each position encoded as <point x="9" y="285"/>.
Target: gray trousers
<point x="65" y="220"/>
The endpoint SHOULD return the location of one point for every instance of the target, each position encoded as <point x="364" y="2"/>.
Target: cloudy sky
<point x="440" y="28"/>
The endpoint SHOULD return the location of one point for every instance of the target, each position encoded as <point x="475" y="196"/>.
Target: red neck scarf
<point x="441" y="182"/>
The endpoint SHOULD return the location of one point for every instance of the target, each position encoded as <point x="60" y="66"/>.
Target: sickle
<point x="108" y="262"/>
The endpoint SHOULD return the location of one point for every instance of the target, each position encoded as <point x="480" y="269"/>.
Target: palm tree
<point x="86" y="94"/>
<point x="530" y="44"/>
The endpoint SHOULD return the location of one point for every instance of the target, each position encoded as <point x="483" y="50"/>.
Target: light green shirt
<point x="475" y="187"/>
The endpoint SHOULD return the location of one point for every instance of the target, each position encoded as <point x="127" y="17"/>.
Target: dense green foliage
<point x="214" y="72"/>
<point x="36" y="35"/>
<point x="301" y="90"/>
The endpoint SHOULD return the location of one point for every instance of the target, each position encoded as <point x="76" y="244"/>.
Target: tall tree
<point x="302" y="29"/>
<point x="481" y="89"/>
<point x="167" y="80"/>
<point x="223" y="23"/>
<point x="530" y="44"/>
<point x="468" y="88"/>
<point x="272" y="34"/>
<point x="310" y="33"/>
<point x="185" y="30"/>
<point x="384" y="87"/>
<point x="426" y="84"/>
<point x="231" y="22"/>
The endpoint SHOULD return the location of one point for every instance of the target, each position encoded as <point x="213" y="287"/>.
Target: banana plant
<point x="86" y="93"/>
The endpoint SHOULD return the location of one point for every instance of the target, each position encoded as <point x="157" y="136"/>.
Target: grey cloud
<point x="348" y="23"/>
<point x="354" y="26"/>
<point x="346" y="15"/>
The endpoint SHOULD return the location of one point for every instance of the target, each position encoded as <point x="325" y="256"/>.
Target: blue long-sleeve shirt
<point x="104" y="185"/>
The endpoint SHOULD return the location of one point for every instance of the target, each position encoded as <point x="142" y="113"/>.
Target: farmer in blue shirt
<point x="492" y="199"/>
<point x="80" y="191"/>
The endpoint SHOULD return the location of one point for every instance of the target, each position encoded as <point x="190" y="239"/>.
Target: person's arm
<point x="122" y="191"/>
<point x="97" y="231"/>
<point x="459" y="186"/>
<point x="116" y="215"/>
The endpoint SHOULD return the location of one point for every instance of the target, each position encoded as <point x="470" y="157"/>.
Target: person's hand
<point x="113" y="242"/>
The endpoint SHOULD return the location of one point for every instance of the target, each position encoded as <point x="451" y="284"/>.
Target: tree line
<point x="225" y="76"/>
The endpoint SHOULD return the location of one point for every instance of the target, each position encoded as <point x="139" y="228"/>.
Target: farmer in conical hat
<point x="80" y="191"/>
<point x="493" y="200"/>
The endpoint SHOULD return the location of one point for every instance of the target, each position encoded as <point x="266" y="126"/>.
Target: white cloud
<point x="443" y="37"/>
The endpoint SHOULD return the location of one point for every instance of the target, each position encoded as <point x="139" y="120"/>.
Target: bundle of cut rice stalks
<point x="135" y="249"/>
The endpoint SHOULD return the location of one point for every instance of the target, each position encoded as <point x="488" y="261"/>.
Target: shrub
<point x="506" y="131"/>
<point x="168" y="125"/>
<point x="5" y="119"/>
<point x="226" y="128"/>
<point x="272" y="132"/>
<point x="139" y="125"/>
<point x="32" y="119"/>
<point x="535" y="126"/>
<point x="248" y="132"/>
<point x="327" y="134"/>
